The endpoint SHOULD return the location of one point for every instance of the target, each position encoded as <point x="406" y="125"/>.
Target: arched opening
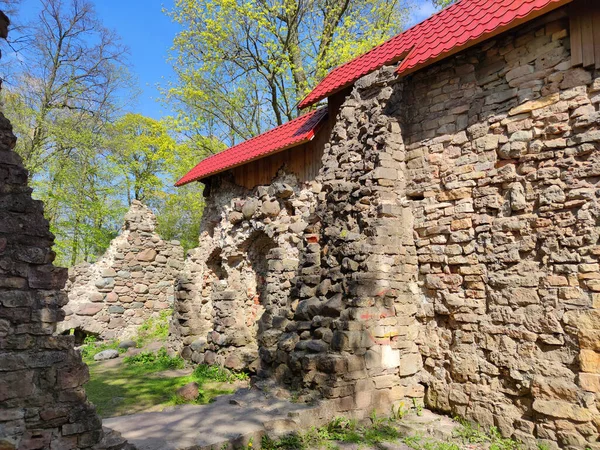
<point x="81" y="335"/>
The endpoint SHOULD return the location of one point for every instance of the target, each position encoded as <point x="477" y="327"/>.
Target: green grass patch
<point x="91" y="348"/>
<point x="155" y="361"/>
<point x="154" y="329"/>
<point x="135" y="384"/>
<point x="381" y="430"/>
<point x="336" y="431"/>
<point x="217" y="373"/>
<point x="470" y="433"/>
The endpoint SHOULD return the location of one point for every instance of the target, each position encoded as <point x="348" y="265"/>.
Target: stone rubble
<point x="131" y="282"/>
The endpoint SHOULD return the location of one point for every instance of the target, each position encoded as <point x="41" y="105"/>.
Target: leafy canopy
<point x="242" y="66"/>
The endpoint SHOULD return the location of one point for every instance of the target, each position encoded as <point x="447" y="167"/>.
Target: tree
<point x="443" y="3"/>
<point x="142" y="150"/>
<point x="82" y="201"/>
<point x="242" y="66"/>
<point x="72" y="66"/>
<point x="62" y="89"/>
<point x="149" y="160"/>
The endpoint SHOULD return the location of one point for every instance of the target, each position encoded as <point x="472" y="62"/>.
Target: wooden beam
<point x="596" y="21"/>
<point x="587" y="34"/>
<point x="576" y="34"/>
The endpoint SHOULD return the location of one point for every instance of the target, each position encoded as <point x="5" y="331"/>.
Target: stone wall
<point x="502" y="172"/>
<point x="42" y="401"/>
<point x="448" y="248"/>
<point x="131" y="282"/>
<point x="234" y="294"/>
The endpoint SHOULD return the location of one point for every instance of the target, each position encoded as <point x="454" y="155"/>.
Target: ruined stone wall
<point x="327" y="298"/>
<point x="234" y="294"/>
<point x="448" y="248"/>
<point x="502" y="171"/>
<point x="356" y="321"/>
<point x="42" y="400"/>
<point x="131" y="282"/>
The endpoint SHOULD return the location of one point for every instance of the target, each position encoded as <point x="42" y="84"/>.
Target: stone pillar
<point x="355" y="324"/>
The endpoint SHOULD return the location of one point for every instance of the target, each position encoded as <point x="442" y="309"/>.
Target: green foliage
<point x="217" y="373"/>
<point x="418" y="407"/>
<point x="87" y="160"/>
<point x="141" y="149"/>
<point x="500" y="443"/>
<point x="470" y="433"/>
<point x="89" y="339"/>
<point x="242" y="66"/>
<point x="155" y="361"/>
<point x="399" y="412"/>
<point x="154" y="328"/>
<point x="443" y="3"/>
<point x="338" y="430"/>
<point x="91" y="348"/>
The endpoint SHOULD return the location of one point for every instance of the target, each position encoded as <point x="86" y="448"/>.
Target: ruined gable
<point x="131" y="282"/>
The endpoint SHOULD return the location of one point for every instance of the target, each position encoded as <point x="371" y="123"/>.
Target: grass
<point x="155" y="361"/>
<point x="154" y="329"/>
<point x="217" y="373"/>
<point x="336" y="431"/>
<point x="136" y="385"/>
<point x="470" y="433"/>
<point x="91" y="348"/>
<point x="380" y="430"/>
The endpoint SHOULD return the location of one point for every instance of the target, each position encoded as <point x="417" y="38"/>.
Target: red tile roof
<point x="291" y="134"/>
<point x="449" y="31"/>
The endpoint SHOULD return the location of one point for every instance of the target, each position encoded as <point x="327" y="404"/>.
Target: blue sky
<point x="148" y="33"/>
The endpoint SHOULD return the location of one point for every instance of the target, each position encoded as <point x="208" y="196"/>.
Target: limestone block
<point x="562" y="410"/>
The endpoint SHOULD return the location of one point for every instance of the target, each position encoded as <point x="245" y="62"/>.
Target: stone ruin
<point x="131" y="282"/>
<point x="447" y="251"/>
<point x="43" y="404"/>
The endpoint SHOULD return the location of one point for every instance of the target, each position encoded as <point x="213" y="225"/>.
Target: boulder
<point x="189" y="392"/>
<point x="106" y="354"/>
<point x="249" y="208"/>
<point x="127" y="344"/>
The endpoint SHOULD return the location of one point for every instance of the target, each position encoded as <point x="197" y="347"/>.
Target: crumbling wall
<point x="233" y="299"/>
<point x="42" y="400"/>
<point x="132" y="281"/>
<point x="502" y="171"/>
<point x="449" y="246"/>
<point x="356" y="321"/>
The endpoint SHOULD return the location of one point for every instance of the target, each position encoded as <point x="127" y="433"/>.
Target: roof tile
<point x="463" y="22"/>
<point x="291" y="134"/>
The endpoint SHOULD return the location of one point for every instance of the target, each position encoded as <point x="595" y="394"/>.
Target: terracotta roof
<point x="449" y="31"/>
<point x="290" y="134"/>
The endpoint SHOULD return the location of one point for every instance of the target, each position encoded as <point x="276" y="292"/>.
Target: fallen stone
<point x="127" y="344"/>
<point x="189" y="392"/>
<point x="106" y="354"/>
